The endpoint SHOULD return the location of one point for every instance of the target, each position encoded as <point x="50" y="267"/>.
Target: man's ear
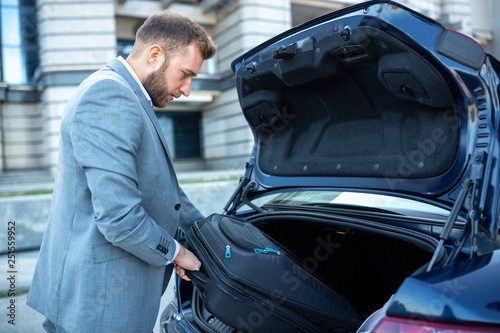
<point x="155" y="56"/>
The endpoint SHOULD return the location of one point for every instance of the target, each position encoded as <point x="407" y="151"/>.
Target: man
<point x="109" y="244"/>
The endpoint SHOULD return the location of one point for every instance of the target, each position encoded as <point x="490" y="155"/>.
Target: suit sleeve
<point x="106" y="133"/>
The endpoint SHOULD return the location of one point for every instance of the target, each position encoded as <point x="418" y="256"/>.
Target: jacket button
<point x="177" y="207"/>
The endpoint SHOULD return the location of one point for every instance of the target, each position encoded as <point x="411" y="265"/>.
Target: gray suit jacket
<point x="115" y="210"/>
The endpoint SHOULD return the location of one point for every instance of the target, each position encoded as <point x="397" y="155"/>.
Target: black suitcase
<point x="252" y="284"/>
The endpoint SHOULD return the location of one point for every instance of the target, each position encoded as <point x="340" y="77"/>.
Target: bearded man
<point x="109" y="247"/>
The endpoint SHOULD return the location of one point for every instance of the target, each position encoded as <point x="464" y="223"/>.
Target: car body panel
<point x="460" y="292"/>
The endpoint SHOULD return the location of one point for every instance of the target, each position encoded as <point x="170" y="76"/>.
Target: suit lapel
<point x="119" y="68"/>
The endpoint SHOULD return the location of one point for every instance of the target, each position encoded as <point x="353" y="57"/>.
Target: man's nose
<point x="186" y="88"/>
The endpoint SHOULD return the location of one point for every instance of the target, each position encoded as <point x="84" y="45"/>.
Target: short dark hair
<point x="172" y="31"/>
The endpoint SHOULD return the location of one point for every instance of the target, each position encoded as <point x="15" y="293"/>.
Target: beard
<point x="156" y="86"/>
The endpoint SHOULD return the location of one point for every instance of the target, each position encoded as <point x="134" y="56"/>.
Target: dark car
<point x="375" y="170"/>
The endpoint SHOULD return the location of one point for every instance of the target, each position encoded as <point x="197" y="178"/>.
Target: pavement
<point x="208" y="190"/>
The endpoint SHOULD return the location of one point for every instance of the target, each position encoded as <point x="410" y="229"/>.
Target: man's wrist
<point x="179" y="254"/>
<point x="176" y="252"/>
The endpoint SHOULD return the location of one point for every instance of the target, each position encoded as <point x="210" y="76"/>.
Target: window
<point x="124" y="47"/>
<point x="182" y="131"/>
<point x="19" y="41"/>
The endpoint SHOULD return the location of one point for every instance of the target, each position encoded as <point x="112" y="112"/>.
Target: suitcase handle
<point x="198" y="278"/>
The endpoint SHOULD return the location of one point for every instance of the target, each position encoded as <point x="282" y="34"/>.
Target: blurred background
<point x="49" y="46"/>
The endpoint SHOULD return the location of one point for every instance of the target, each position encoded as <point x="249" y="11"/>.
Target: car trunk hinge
<point x="476" y="207"/>
<point x="451" y="220"/>
<point x="239" y="193"/>
<point x="478" y="198"/>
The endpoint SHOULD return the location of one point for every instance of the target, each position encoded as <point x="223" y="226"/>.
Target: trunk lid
<point x="374" y="98"/>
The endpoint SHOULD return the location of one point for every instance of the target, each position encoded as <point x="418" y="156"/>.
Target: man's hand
<point x="185" y="260"/>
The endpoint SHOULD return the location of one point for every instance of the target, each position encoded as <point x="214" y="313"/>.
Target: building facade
<point x="49" y="46"/>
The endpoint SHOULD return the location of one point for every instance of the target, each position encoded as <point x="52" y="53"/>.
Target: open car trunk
<point x="365" y="262"/>
<point x="362" y="261"/>
<point x="373" y="99"/>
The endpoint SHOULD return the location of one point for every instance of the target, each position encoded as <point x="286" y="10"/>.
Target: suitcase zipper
<point x="227" y="253"/>
<point x="267" y="250"/>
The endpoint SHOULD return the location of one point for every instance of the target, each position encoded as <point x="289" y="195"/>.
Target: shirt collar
<point x="136" y="78"/>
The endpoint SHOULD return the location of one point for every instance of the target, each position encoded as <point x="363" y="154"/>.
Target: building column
<point x="76" y="38"/>
<point x="454" y="14"/>
<point x="1" y="140"/>
<point x="242" y="25"/>
<point x="485" y="24"/>
<point x="495" y="14"/>
<point x="20" y="137"/>
<point x="457" y="15"/>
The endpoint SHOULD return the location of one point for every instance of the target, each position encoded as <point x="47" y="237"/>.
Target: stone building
<point x="49" y="46"/>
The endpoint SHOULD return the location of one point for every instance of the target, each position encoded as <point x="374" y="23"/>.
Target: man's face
<point x="175" y="80"/>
